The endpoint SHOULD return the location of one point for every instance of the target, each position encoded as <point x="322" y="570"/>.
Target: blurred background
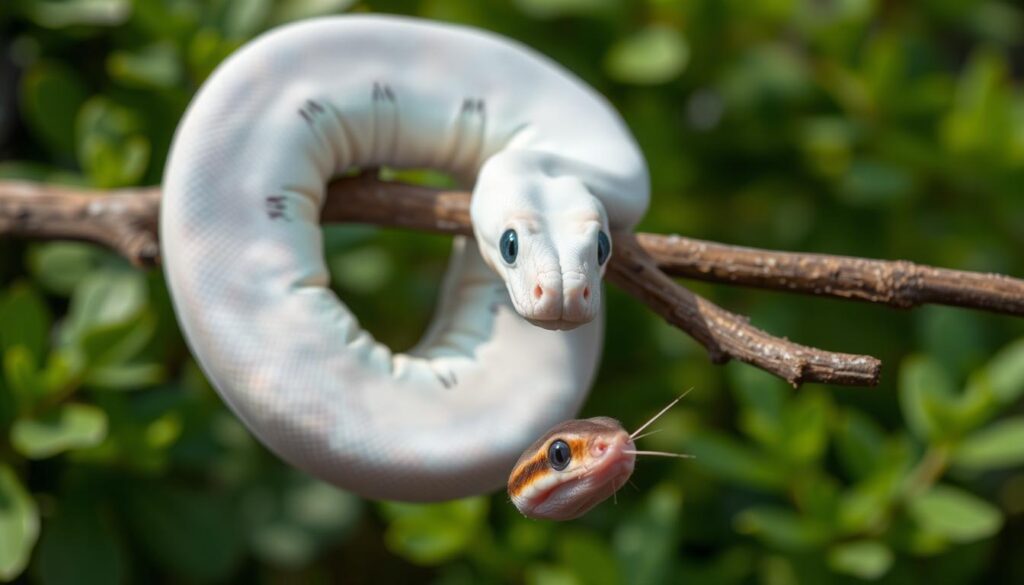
<point x="859" y="127"/>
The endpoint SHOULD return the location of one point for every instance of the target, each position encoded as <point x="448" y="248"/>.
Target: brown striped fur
<point x="533" y="463"/>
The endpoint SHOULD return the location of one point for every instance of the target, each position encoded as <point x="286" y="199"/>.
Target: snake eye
<point x="604" y="248"/>
<point x="559" y="455"/>
<point x="509" y="245"/>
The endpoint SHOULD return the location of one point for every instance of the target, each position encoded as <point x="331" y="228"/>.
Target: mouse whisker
<point x="655" y="417"/>
<point x="647" y="434"/>
<point x="662" y="454"/>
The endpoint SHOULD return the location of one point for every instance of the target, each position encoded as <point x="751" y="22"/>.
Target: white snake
<point x="243" y="254"/>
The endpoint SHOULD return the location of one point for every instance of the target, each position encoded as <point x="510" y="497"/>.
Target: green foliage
<point x="19" y="524"/>
<point x="433" y="533"/>
<point x="892" y="130"/>
<point x="68" y="426"/>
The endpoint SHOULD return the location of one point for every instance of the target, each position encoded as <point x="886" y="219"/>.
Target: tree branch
<point x="899" y="283"/>
<point x="723" y="334"/>
<point x="727" y="335"/>
<point x="126" y="221"/>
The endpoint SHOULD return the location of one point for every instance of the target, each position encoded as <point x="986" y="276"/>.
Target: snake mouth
<point x="557" y="324"/>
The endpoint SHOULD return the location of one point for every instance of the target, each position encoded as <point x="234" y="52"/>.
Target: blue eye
<point x="509" y="246"/>
<point x="559" y="455"/>
<point x="604" y="248"/>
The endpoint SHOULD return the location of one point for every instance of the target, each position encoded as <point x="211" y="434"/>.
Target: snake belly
<point x="244" y="262"/>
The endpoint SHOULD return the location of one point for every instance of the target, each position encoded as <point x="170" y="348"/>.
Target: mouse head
<point x="546" y="236"/>
<point x="572" y="468"/>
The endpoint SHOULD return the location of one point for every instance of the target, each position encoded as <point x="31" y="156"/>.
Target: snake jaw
<point x="557" y="324"/>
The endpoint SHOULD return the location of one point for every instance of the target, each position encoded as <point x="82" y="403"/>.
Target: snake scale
<point x="513" y="346"/>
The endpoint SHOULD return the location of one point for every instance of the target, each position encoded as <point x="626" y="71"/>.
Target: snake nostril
<point x="586" y="293"/>
<point x="538" y="292"/>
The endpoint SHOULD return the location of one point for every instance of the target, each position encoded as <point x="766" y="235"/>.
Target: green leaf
<point x="806" y="428"/>
<point x="79" y="546"/>
<point x="69" y="426"/>
<point x="104" y="298"/>
<point x="26" y="321"/>
<point x="762" y="397"/>
<point x="155" y="66"/>
<point x="867" y="505"/>
<point x="65" y="13"/>
<point x="997" y="446"/>
<point x="654" y="55"/>
<point x="1005" y="372"/>
<point x="955" y="514"/>
<point x="782" y="528"/>
<point x="646" y="542"/>
<point x="546" y="574"/>
<point x="954" y="337"/>
<point x="207" y="49"/>
<point x="61" y="372"/>
<point x="244" y="18"/>
<point x="22" y="376"/>
<point x="52" y="95"/>
<point x="866" y="559"/>
<point x="430" y="534"/>
<point x="816" y="494"/>
<point x="859" y="443"/>
<point x="112" y="146"/>
<point x="190" y="533"/>
<point x="732" y="460"/>
<point x="924" y="391"/>
<point x="60" y="266"/>
<point x="979" y="122"/>
<point x="126" y="376"/>
<point x="299" y="9"/>
<point x="116" y="343"/>
<point x="976" y="404"/>
<point x="19" y="525"/>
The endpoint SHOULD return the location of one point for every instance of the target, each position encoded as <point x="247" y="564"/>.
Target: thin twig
<point x="726" y="335"/>
<point x="897" y="283"/>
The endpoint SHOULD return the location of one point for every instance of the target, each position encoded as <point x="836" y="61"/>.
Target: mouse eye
<point x="509" y="246"/>
<point x="604" y="248"/>
<point x="559" y="455"/>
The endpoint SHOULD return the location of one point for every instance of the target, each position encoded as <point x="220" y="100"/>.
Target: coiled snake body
<point x="516" y="337"/>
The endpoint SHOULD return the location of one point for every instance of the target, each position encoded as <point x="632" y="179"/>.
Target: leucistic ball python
<point x="576" y="465"/>
<point x="516" y="337"/>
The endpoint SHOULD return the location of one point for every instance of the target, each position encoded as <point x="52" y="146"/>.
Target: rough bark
<point x="641" y="264"/>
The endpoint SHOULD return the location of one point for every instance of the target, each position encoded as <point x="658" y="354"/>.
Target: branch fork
<point x="642" y="265"/>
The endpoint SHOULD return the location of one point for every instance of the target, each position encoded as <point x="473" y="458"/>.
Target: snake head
<point x="546" y="235"/>
<point x="572" y="468"/>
